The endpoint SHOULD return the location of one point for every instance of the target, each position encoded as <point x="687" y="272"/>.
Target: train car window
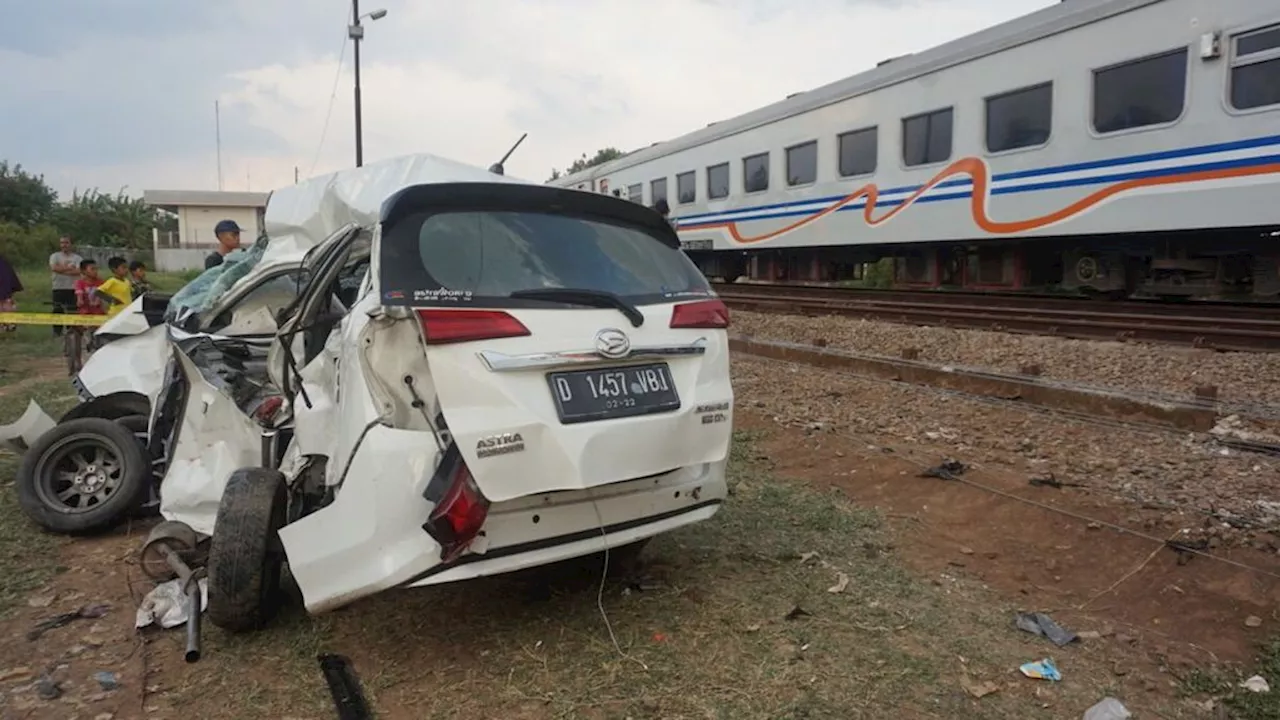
<point x="802" y="163"/>
<point x="1138" y="93"/>
<point x="926" y="138"/>
<point x="686" y="187"/>
<point x="658" y="190"/>
<point x="635" y="193"/>
<point x="755" y="173"/>
<point x="1255" y="69"/>
<point x="718" y="181"/>
<point x="1020" y="118"/>
<point x="858" y="150"/>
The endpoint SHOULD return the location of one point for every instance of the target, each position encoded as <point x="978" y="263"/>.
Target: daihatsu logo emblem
<point x="612" y="343"/>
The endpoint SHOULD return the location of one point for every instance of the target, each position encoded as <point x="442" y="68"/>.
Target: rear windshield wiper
<point x="583" y="296"/>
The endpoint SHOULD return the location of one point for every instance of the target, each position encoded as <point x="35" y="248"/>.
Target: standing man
<point x="65" y="265"/>
<point x="228" y="234"/>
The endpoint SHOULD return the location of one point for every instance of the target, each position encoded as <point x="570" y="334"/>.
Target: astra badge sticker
<point x="503" y="444"/>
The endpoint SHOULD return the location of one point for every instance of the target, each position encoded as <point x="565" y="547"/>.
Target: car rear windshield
<point x="482" y="257"/>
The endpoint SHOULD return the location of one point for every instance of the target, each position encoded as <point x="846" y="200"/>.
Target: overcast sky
<point x="113" y="93"/>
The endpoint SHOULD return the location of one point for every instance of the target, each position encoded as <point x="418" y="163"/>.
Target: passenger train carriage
<point x="1126" y="147"/>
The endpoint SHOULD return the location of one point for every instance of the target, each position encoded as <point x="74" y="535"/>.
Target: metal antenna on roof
<point x="217" y="130"/>
<point x="497" y="168"/>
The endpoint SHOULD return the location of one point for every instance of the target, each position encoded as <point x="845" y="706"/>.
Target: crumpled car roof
<point x="301" y="216"/>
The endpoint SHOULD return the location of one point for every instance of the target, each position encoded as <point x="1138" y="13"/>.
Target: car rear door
<point x="570" y="342"/>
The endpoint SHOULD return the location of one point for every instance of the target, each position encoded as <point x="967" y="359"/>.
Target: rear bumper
<point x="371" y="538"/>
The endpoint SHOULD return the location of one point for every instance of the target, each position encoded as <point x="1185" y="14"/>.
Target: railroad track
<point x="1219" y="326"/>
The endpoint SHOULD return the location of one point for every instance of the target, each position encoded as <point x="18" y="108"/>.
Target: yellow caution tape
<point x="22" y="318"/>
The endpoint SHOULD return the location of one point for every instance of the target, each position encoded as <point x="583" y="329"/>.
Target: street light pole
<point x="355" y="31"/>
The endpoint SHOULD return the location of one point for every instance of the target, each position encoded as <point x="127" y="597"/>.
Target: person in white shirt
<point x="65" y="266"/>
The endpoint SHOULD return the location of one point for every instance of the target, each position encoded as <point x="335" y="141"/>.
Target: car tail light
<point x="701" y="314"/>
<point x="457" y="518"/>
<point x="268" y="409"/>
<point x="452" y="326"/>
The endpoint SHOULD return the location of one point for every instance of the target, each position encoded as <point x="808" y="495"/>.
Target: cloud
<point x="132" y="103"/>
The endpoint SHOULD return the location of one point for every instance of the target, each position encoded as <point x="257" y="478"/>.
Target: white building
<point x="198" y="211"/>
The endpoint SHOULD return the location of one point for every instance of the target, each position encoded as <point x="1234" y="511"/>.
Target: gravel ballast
<point x="1217" y="494"/>
<point x="1164" y="369"/>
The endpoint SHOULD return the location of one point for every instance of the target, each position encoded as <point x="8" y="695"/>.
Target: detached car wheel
<point x="83" y="476"/>
<point x="245" y="554"/>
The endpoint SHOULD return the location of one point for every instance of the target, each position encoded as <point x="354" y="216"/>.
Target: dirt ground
<point x="1183" y="608"/>
<point x="734" y="618"/>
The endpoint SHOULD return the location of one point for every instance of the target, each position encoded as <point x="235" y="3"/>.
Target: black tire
<point x="245" y="555"/>
<point x="83" y="476"/>
<point x="137" y="425"/>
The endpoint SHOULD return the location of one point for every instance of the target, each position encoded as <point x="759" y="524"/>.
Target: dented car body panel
<point x="458" y="374"/>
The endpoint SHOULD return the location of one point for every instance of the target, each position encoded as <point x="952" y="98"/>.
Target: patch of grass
<point x="25" y="552"/>
<point x="731" y="618"/>
<point x="1225" y="687"/>
<point x="55" y="396"/>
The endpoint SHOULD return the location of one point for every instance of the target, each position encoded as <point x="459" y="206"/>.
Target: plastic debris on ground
<point x="1108" y="709"/>
<point x="1257" y="684"/>
<point x="949" y="470"/>
<point x="1044" y="626"/>
<point x="18" y="435"/>
<point x="167" y="603"/>
<point x="348" y="695"/>
<point x="88" y="612"/>
<point x="1051" y="481"/>
<point x="107" y="680"/>
<point x="1041" y="670"/>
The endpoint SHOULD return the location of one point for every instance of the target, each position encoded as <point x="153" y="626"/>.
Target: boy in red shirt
<point x="87" y="300"/>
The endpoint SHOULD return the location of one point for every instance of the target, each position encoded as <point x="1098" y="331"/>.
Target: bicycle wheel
<point x="72" y="348"/>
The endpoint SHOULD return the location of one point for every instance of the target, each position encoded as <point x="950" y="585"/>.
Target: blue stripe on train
<point x="1021" y="174"/>
<point x="784" y="212"/>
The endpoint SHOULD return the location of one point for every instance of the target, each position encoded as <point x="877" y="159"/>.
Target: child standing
<point x="138" y="279"/>
<point x="87" y="300"/>
<point x="116" y="291"/>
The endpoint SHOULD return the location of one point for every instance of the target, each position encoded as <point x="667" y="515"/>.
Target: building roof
<point x="204" y="198"/>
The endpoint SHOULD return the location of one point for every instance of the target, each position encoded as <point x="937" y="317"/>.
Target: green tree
<point x="96" y="218"/>
<point x="25" y="199"/>
<point x="601" y="157"/>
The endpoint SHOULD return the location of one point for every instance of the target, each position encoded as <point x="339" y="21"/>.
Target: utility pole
<point x="217" y="130"/>
<point x="355" y="31"/>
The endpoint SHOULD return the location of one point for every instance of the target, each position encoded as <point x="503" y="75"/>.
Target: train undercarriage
<point x="1240" y="265"/>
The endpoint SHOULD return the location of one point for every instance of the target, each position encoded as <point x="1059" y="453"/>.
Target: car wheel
<point x="83" y="476"/>
<point x="245" y="554"/>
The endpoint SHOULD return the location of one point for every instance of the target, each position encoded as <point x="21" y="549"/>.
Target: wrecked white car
<point x="467" y="375"/>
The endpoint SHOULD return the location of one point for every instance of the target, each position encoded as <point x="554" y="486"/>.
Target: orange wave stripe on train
<point x="977" y="170"/>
